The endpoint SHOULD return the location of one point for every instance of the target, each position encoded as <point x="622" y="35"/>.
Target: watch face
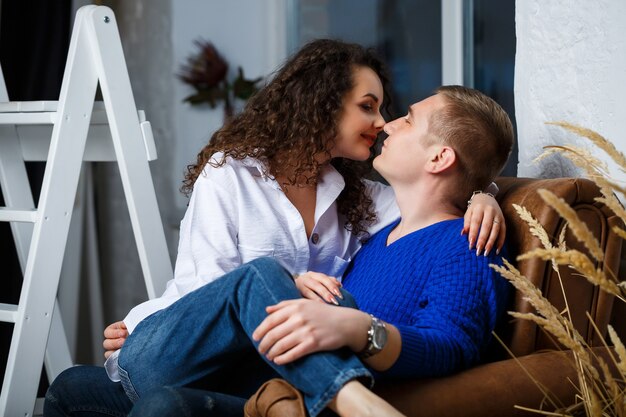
<point x="380" y="336"/>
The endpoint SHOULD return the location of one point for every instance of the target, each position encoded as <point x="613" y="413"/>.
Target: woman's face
<point x="360" y="121"/>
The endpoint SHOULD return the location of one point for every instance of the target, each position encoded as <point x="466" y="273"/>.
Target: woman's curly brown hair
<point x="294" y="118"/>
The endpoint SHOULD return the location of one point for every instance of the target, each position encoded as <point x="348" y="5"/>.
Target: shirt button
<point x="315" y="238"/>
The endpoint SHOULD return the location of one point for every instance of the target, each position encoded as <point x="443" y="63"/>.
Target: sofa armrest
<point x="491" y="390"/>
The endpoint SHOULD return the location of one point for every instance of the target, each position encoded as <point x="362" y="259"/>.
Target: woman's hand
<point x="296" y="328"/>
<point x="114" y="337"/>
<point x="484" y="214"/>
<point x="318" y="287"/>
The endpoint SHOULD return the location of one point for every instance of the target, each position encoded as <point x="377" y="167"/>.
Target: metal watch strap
<point x="371" y="349"/>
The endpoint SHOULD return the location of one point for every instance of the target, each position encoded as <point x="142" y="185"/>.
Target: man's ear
<point x="443" y="158"/>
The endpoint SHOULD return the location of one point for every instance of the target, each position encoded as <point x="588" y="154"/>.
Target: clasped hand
<point x="296" y="328"/>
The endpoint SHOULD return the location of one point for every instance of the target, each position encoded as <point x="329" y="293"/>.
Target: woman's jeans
<point x="204" y="340"/>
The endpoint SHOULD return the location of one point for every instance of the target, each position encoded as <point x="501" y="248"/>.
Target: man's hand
<point x="484" y="214"/>
<point x="114" y="337"/>
<point x="296" y="328"/>
<point x="318" y="287"/>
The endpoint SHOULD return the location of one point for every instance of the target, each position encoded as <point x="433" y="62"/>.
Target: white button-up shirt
<point x="236" y="215"/>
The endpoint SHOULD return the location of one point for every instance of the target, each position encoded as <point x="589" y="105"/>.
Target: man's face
<point x="407" y="148"/>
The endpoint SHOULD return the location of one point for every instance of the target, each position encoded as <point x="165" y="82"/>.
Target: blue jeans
<point x="204" y="341"/>
<point x="87" y="391"/>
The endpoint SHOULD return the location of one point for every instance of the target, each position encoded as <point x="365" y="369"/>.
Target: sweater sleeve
<point x="455" y="316"/>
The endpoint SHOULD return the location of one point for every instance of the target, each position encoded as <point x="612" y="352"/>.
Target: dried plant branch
<point x="581" y="157"/>
<point x="594" y="405"/>
<point x="596" y="170"/>
<point x="614" y="204"/>
<point x="578" y="227"/>
<point x="619" y="349"/>
<point x="597" y="140"/>
<point x="601" y="393"/>
<point x="536" y="229"/>
<point x="541" y="412"/>
<point x="561" y="242"/>
<point x="619" y="232"/>
<point x="579" y="262"/>
<point x="546" y="394"/>
<point x="548" y="317"/>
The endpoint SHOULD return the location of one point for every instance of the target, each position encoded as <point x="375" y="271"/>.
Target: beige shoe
<point x="276" y="398"/>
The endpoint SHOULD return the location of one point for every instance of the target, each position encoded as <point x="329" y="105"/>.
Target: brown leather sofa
<point x="496" y="386"/>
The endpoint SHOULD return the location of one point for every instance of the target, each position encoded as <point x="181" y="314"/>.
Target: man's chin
<point x="376" y="163"/>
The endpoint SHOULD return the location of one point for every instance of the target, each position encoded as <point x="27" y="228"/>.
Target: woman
<point x="282" y="179"/>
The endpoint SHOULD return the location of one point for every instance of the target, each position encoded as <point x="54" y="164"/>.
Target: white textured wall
<point x="570" y="66"/>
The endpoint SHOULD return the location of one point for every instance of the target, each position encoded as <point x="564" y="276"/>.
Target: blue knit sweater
<point x="443" y="299"/>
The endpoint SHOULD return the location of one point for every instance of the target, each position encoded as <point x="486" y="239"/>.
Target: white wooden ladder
<point x="65" y="133"/>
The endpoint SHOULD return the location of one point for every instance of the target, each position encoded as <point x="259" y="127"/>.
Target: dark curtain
<point x="34" y="40"/>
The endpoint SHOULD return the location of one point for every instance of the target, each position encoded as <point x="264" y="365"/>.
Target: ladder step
<point x="38" y="112"/>
<point x="8" y="312"/>
<point x="44" y="113"/>
<point x="28" y="106"/>
<point x="37" y="106"/>
<point x="29" y="118"/>
<point x="22" y="216"/>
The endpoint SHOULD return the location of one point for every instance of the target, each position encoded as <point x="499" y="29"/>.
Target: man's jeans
<point x="204" y="340"/>
<point x="87" y="391"/>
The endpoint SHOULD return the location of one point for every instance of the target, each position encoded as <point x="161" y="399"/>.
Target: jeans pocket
<point x="128" y="386"/>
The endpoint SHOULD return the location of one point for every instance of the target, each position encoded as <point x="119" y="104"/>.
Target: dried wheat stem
<point x="578" y="261"/>
<point x="614" y="204"/>
<point x="620" y="349"/>
<point x="546" y="394"/>
<point x="564" y="333"/>
<point x="577" y="226"/>
<point x="596" y="170"/>
<point x="607" y="186"/>
<point x="612" y="388"/>
<point x="536" y="229"/>
<point x="581" y="157"/>
<point x="549" y="317"/>
<point x="600" y="141"/>
<point x="619" y="232"/>
<point x="595" y="405"/>
<point x="562" y="246"/>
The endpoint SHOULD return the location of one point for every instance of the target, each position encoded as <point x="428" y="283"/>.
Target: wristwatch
<point x="376" y="338"/>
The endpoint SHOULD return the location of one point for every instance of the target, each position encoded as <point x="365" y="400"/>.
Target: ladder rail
<point x="17" y="192"/>
<point x="45" y="256"/>
<point x="95" y="55"/>
<point x="130" y="151"/>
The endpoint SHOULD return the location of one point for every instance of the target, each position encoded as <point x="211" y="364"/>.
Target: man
<point x="427" y="305"/>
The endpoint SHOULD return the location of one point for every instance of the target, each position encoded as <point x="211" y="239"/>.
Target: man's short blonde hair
<point x="479" y="131"/>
